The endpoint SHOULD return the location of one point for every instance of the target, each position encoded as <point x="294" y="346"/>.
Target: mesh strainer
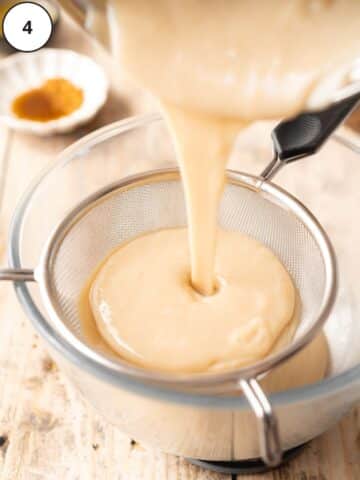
<point x="155" y="200"/>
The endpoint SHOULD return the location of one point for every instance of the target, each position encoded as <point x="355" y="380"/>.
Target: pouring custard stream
<point x="214" y="67"/>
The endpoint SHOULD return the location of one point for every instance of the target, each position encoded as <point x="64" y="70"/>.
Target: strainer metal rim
<point x="327" y="386"/>
<point x="201" y="380"/>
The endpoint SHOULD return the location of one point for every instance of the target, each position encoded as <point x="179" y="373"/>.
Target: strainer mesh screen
<point x="125" y="214"/>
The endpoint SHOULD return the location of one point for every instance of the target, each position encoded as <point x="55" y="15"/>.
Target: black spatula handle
<point x="305" y="134"/>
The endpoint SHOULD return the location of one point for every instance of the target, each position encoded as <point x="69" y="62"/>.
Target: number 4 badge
<point x="27" y="26"/>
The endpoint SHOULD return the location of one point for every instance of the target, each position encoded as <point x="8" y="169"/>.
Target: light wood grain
<point x="46" y="430"/>
<point x="5" y="140"/>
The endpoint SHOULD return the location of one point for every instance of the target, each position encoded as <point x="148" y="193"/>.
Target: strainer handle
<point x="17" y="275"/>
<point x="305" y="134"/>
<point x="269" y="437"/>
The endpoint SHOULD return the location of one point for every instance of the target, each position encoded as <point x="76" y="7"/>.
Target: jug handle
<point x="269" y="437"/>
<point x="96" y="22"/>
<point x="92" y="18"/>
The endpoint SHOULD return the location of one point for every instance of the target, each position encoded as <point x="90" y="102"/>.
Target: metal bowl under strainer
<point x="154" y="200"/>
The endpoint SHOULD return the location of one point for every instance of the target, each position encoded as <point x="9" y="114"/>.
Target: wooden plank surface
<point x="46" y="430"/>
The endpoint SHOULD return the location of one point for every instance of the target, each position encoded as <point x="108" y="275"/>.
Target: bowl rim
<point x="103" y="372"/>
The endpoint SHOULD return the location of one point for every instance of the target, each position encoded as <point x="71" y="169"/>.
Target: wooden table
<point x="46" y="430"/>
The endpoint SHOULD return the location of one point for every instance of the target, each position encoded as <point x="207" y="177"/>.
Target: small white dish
<point x="23" y="71"/>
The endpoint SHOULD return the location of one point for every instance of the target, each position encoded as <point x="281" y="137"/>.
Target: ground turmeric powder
<point x="56" y="98"/>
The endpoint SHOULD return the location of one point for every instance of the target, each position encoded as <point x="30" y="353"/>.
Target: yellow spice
<point x="55" y="99"/>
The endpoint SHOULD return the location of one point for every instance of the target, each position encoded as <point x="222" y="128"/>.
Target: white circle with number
<point x="27" y="26"/>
